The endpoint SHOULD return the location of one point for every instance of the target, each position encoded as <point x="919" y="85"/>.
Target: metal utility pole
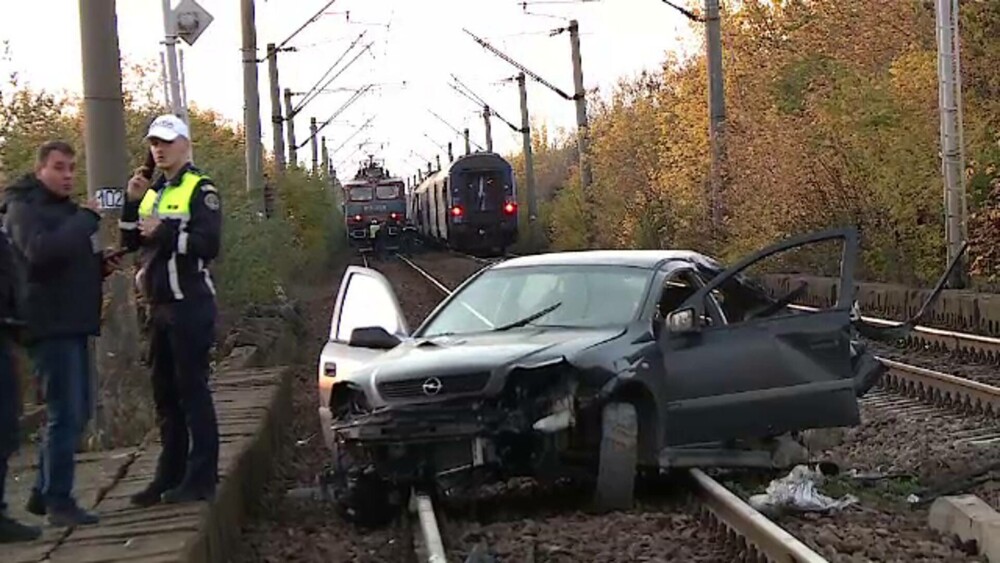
<point x="276" y="120"/>
<point x="529" y="161"/>
<point x="170" y="40"/>
<point x="251" y="97"/>
<point x="465" y="134"/>
<point x="293" y="151"/>
<point x="107" y="168"/>
<point x="184" y="104"/>
<point x="952" y="145"/>
<point x="165" y="79"/>
<point x="326" y="155"/>
<point x="312" y="143"/>
<point x="580" y="96"/>
<point x="717" y="109"/>
<point x="184" y="93"/>
<point x="489" y="129"/>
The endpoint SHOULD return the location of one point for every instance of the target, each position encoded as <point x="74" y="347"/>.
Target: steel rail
<point x="431" y="548"/>
<point x="941" y="388"/>
<point x="741" y="519"/>
<point x="936" y="337"/>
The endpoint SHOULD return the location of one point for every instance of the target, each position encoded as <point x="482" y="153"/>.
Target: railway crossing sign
<point x="192" y="20"/>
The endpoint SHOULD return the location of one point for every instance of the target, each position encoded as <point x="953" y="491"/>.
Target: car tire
<point x="615" y="487"/>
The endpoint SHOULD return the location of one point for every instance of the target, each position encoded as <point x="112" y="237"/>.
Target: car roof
<point x="634" y="258"/>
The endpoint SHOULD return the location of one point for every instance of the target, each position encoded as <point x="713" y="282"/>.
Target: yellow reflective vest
<point x="175" y="260"/>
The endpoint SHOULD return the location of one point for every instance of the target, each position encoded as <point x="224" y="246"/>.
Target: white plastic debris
<point x="796" y="492"/>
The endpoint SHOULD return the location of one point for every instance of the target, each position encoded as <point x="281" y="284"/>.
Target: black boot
<point x="13" y="531"/>
<point x="187" y="493"/>
<point x="36" y="503"/>
<point x="149" y="496"/>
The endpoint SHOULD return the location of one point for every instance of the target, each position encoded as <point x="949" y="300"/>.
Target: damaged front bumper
<point x="408" y="443"/>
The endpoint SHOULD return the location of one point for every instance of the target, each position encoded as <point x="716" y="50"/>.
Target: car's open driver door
<point x="765" y="372"/>
<point x="365" y="300"/>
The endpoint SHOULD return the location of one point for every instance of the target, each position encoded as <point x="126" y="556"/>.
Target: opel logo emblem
<point x="432" y="386"/>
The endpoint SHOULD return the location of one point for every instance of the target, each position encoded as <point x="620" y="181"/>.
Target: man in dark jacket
<point x="55" y="242"/>
<point x="10" y="529"/>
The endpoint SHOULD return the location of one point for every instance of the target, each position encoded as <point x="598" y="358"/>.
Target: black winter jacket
<point x="175" y="260"/>
<point x="10" y="292"/>
<point x="55" y="242"/>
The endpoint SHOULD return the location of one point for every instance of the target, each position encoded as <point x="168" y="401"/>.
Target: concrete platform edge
<point x="222" y="521"/>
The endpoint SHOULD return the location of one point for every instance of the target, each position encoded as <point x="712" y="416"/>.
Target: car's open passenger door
<point x="367" y="320"/>
<point x="760" y="368"/>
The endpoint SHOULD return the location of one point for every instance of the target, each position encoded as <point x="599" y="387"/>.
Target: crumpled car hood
<point x="482" y="352"/>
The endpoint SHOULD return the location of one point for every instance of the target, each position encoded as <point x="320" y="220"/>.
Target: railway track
<point x="748" y="534"/>
<point x="939" y="388"/>
<point x="976" y="346"/>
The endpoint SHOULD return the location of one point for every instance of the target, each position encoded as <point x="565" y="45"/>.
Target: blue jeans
<point x="62" y="364"/>
<point x="9" y="397"/>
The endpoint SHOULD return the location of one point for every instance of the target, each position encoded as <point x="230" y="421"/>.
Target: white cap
<point x="168" y="127"/>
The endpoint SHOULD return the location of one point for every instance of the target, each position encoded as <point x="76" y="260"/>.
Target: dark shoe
<point x="71" y="515"/>
<point x="36" y="503"/>
<point x="148" y="496"/>
<point x="13" y="531"/>
<point x="187" y="494"/>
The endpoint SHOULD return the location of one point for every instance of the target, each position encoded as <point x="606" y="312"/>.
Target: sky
<point x="415" y="47"/>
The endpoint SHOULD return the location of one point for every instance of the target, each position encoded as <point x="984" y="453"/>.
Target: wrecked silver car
<point x="593" y="365"/>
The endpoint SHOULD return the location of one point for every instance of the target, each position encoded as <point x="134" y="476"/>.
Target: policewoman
<point x="176" y="225"/>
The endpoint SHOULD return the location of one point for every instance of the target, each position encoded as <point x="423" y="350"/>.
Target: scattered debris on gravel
<point x="523" y="521"/>
<point x="902" y="448"/>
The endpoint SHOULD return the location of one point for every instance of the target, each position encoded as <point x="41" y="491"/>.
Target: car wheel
<point x="615" y="488"/>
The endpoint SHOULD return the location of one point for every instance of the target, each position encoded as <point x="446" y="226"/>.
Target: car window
<point x="589" y="296"/>
<point x="366" y="303"/>
<point x="535" y="289"/>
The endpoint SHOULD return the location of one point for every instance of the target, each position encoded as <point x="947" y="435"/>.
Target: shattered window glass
<point x="748" y="295"/>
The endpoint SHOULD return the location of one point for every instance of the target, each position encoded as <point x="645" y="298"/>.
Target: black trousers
<point x="9" y="402"/>
<point x="182" y="336"/>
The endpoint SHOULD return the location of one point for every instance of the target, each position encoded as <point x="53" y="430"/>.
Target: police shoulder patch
<point x="212" y="201"/>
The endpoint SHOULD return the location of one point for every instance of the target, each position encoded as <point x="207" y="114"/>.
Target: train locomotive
<point x="373" y="196"/>
<point x="470" y="206"/>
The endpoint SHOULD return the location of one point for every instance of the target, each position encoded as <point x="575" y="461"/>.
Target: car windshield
<point x="587" y="296"/>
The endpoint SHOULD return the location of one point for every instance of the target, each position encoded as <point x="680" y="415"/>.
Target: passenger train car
<point x="470" y="206"/>
<point x="373" y="196"/>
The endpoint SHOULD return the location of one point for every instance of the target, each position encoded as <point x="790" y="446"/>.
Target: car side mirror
<point x="373" y="337"/>
<point x="683" y="321"/>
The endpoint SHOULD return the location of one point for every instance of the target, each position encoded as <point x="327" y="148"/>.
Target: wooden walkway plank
<point x="252" y="406"/>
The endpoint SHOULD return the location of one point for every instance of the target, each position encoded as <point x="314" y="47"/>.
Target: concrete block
<point x="969" y="518"/>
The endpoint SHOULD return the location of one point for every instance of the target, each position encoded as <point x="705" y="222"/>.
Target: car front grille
<point x="436" y="386"/>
